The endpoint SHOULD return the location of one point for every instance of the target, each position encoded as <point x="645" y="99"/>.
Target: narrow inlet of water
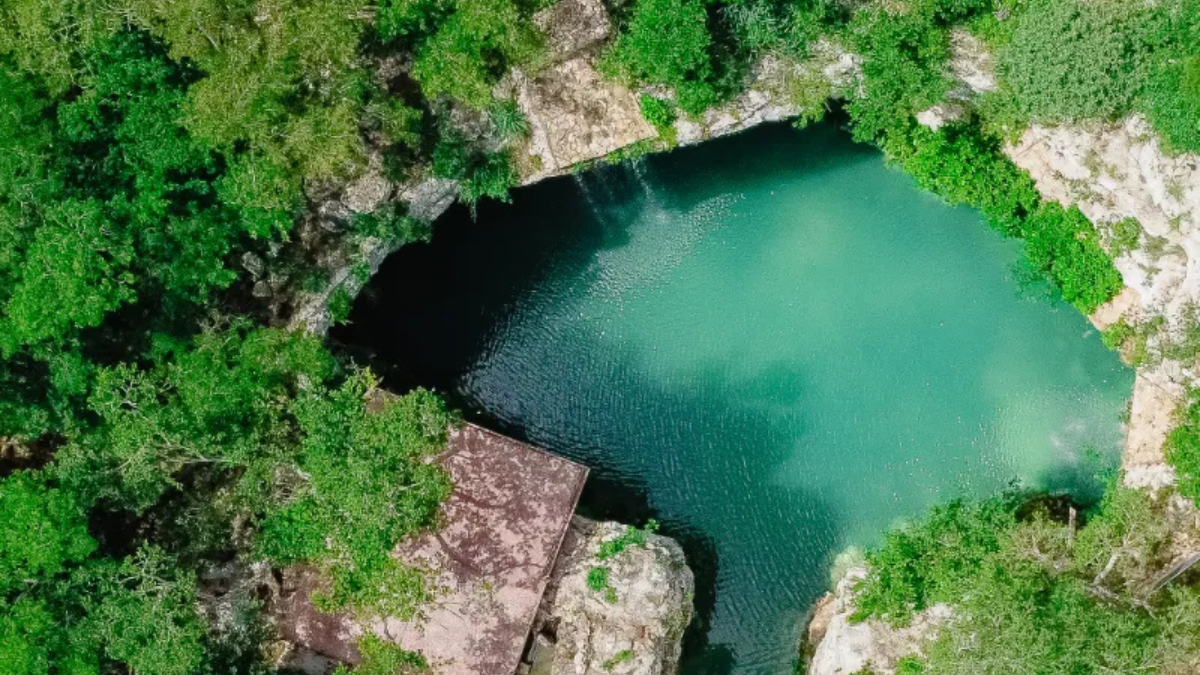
<point x="773" y="343"/>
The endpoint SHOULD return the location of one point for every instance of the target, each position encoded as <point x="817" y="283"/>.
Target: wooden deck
<point x="504" y="523"/>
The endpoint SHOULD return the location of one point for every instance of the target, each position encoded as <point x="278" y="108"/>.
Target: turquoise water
<point x="774" y="344"/>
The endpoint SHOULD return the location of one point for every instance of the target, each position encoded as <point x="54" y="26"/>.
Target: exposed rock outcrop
<point x="635" y="629"/>
<point x="778" y="90"/>
<point x="354" y="261"/>
<point x="1146" y="205"/>
<point x="1114" y="172"/>
<point x="845" y="648"/>
<point x="575" y="116"/>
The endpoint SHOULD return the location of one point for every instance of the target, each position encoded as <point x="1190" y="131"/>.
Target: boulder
<point x="845" y="648"/>
<point x="576" y="115"/>
<point x="635" y="629"/>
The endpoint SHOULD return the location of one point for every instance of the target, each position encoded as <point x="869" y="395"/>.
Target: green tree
<point x="667" y="42"/>
<point x="143" y="611"/>
<point x="471" y="48"/>
<point x="42" y="531"/>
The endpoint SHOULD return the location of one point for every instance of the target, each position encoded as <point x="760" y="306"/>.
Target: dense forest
<point x="156" y="426"/>
<point x="1034" y="590"/>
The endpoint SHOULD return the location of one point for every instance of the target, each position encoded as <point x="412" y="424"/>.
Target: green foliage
<point x="293" y="70"/>
<point x="928" y="562"/>
<point x="42" y="531"/>
<point x="34" y="640"/>
<point x="368" y="486"/>
<point x="390" y="223"/>
<point x="1062" y="244"/>
<point x="469" y="49"/>
<point x="1128" y="340"/>
<point x="1172" y="96"/>
<point x="144" y="612"/>
<point x="1173" y="103"/>
<point x="488" y="176"/>
<point x="339" y="305"/>
<point x="667" y="42"/>
<point x="1032" y="596"/>
<point x="1125" y="235"/>
<point x="766" y="26"/>
<point x="1183" y="449"/>
<point x="1076" y="60"/>
<point x="478" y="174"/>
<point x="509" y="121"/>
<point x="409" y="20"/>
<point x="965" y="167"/>
<point x="597" y="578"/>
<point x="659" y="113"/>
<point x="617" y="659"/>
<point x="380" y="657"/>
<point x="632" y="536"/>
<point x="903" y="59"/>
<point x="398" y="123"/>
<point x="216" y="404"/>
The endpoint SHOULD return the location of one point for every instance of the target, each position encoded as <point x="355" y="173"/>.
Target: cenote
<point x="774" y="344"/>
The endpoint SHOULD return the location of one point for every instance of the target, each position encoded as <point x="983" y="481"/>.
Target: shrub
<point x="659" y="113"/>
<point x="339" y="305"/>
<point x="964" y="166"/>
<point x="632" y="536"/>
<point x="380" y="657"/>
<point x="471" y="48"/>
<point x="478" y="174"/>
<point x="928" y="562"/>
<point x="489" y="175"/>
<point x="1172" y="103"/>
<point x="1030" y="594"/>
<point x="509" y="121"/>
<point x="390" y="224"/>
<point x="1183" y="449"/>
<point x="397" y="122"/>
<point x="597" y="578"/>
<point x="1062" y="244"/>
<point x="903" y="63"/>
<point x="1076" y="60"/>
<point x="667" y="42"/>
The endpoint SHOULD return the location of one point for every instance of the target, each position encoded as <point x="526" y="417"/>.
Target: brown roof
<point x="504" y="524"/>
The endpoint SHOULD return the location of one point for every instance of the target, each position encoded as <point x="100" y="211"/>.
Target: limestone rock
<point x="576" y="115"/>
<point x="1156" y="398"/>
<point x="771" y="94"/>
<point x="428" y="199"/>
<point x="843" y="648"/>
<point x="638" y="633"/>
<point x="366" y="193"/>
<point x="974" y="69"/>
<point x="971" y="63"/>
<point x="940" y="115"/>
<point x="573" y="26"/>
<point x="1118" y="171"/>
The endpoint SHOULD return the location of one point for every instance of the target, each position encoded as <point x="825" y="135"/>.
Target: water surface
<point x="773" y="343"/>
